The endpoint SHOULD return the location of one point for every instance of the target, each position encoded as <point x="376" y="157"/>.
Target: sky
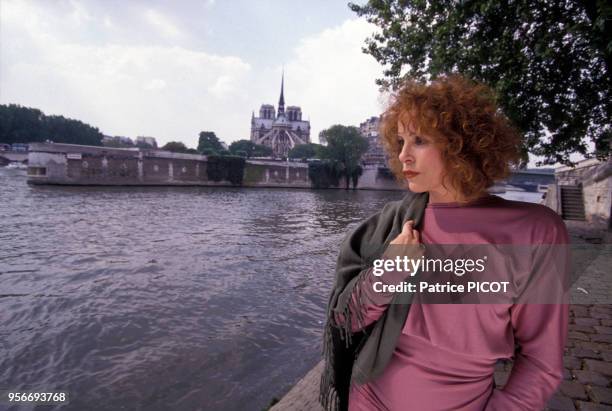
<point x="170" y="69"/>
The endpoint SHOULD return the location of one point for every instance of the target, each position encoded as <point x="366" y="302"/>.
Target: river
<point x="158" y="298"/>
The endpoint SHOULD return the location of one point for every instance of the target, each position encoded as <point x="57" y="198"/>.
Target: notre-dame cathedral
<point x="282" y="130"/>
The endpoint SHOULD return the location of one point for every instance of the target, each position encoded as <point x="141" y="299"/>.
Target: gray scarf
<point x="362" y="356"/>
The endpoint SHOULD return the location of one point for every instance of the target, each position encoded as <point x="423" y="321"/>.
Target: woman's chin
<point x="415" y="188"/>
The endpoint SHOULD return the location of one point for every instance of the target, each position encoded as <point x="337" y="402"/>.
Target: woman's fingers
<point x="407" y="229"/>
<point x="408" y="235"/>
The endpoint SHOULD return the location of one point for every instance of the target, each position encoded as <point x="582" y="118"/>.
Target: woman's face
<point x="422" y="163"/>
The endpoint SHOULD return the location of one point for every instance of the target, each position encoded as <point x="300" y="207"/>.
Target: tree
<point x="249" y="149"/>
<point x="26" y="125"/>
<point x="229" y="168"/>
<point x="346" y="146"/>
<point x="549" y="61"/>
<point x="324" y="173"/>
<point x="176" y="147"/>
<point x="209" y="142"/>
<point x="305" y="151"/>
<point x="355" y="175"/>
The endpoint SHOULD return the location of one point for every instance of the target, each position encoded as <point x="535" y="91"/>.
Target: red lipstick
<point x="410" y="174"/>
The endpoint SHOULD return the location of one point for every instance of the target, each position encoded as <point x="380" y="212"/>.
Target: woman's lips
<point x="410" y="174"/>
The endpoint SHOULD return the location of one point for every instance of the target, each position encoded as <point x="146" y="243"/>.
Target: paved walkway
<point x="304" y="396"/>
<point x="587" y="384"/>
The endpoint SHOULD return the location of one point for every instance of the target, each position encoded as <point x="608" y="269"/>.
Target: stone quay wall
<point x="597" y="193"/>
<point x="596" y="184"/>
<point x="70" y="164"/>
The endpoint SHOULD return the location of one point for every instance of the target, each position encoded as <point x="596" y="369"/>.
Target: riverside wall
<point x="70" y="164"/>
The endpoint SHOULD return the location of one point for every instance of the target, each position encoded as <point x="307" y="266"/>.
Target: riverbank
<point x="587" y="384"/>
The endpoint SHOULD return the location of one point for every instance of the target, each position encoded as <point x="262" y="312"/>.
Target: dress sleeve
<point x="540" y="329"/>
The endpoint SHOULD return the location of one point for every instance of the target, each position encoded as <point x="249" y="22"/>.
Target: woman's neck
<point x="450" y="196"/>
<point x="445" y="196"/>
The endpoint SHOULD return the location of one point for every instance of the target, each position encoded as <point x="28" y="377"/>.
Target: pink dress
<point x="446" y="354"/>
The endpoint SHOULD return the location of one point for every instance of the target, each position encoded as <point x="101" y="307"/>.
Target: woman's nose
<point x="405" y="156"/>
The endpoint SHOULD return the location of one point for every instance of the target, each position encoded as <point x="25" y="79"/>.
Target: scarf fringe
<point x="351" y="311"/>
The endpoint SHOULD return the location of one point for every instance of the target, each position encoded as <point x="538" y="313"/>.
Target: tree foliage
<point x="324" y="174"/>
<point x="229" y="168"/>
<point x="346" y="146"/>
<point x="28" y="125"/>
<point x="548" y="60"/>
<point x="179" y="147"/>
<point x="249" y="149"/>
<point x="305" y="151"/>
<point x="209" y="143"/>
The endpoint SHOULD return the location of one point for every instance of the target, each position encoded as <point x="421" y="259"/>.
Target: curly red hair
<point x="477" y="141"/>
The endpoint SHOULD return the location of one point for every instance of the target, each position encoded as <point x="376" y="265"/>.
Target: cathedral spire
<point x="281" y="100"/>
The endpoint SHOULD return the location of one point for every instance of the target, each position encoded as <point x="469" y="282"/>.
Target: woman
<point x="449" y="142"/>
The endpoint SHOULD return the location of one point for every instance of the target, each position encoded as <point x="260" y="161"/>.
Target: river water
<point x="159" y="298"/>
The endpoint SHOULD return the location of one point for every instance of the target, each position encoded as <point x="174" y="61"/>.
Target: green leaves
<point x="226" y="168"/>
<point x="27" y="125"/>
<point x="324" y="174"/>
<point x="176" y="147"/>
<point x="305" y="151"/>
<point x="208" y="142"/>
<point x="549" y="61"/>
<point x="248" y="149"/>
<point x="346" y="146"/>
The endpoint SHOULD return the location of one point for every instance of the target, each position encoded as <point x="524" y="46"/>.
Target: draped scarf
<point x="362" y="356"/>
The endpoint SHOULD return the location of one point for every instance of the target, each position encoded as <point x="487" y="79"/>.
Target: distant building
<point x="125" y="140"/>
<point x="375" y="154"/>
<point x="19" y="147"/>
<point x="146" y="140"/>
<point x="117" y="141"/>
<point x="530" y="179"/>
<point x="322" y="139"/>
<point x="281" y="131"/>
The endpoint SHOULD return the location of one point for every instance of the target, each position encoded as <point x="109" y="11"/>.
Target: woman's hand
<point x="408" y="236"/>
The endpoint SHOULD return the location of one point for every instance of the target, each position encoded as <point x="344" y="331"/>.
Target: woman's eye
<point x="419" y="141"/>
<point x="400" y="142"/>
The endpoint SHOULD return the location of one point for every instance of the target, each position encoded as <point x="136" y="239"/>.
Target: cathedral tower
<point x="279" y="130"/>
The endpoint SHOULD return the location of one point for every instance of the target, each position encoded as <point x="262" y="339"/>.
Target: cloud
<point x="171" y="93"/>
<point x="162" y="24"/>
<point x="79" y="14"/>
<point x="332" y="79"/>
<point x="155" y="84"/>
<point x="223" y="87"/>
<point x="108" y="23"/>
